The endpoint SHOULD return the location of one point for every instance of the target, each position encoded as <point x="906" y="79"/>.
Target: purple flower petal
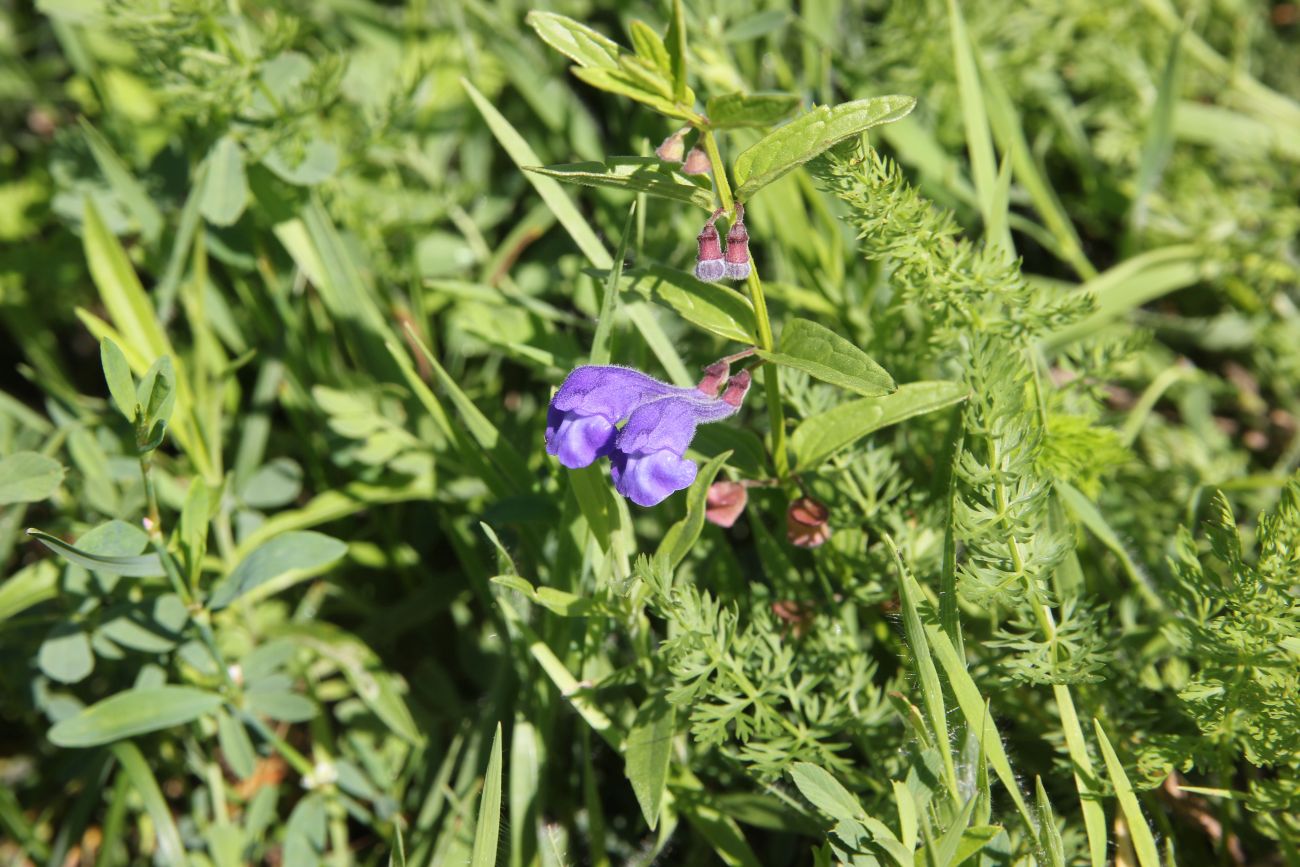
<point x="577" y="440"/>
<point x="669" y="423"/>
<point x="649" y="479"/>
<point x="609" y="391"/>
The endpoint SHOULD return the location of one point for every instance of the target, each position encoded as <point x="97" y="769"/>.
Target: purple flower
<point x="581" y="423"/>
<point x="646" y="456"/>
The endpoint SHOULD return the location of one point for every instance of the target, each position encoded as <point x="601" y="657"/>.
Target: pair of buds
<point x="712" y="263"/>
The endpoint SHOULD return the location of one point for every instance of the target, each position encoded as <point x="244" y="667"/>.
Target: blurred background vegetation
<point x="307" y="195"/>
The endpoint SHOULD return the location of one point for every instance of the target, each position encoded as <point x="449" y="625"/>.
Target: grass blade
<point x="1143" y="841"/>
<point x="488" y="829"/>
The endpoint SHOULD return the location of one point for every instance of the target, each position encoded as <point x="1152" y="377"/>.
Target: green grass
<point x="289" y="577"/>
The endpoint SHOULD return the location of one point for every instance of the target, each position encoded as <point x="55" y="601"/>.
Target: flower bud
<point x="725" y="502"/>
<point x="697" y="163"/>
<point x="737" y="387"/>
<point x="714" y="374"/>
<point x="737" y="259"/>
<point x="672" y="148"/>
<point x="805" y="523"/>
<point x="709" y="266"/>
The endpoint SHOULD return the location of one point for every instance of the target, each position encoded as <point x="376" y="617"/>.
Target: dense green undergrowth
<point x="287" y="289"/>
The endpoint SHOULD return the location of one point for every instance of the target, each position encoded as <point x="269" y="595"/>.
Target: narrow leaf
<point x="140" y="566"/>
<point x="576" y="41"/>
<point x="647" y="752"/>
<point x="600" y="351"/>
<point x="713" y="307"/>
<point x="1144" y="844"/>
<point x="819" y="437"/>
<point x="681" y="537"/>
<point x="646" y="175"/>
<point x="488" y="829"/>
<point x="117" y="374"/>
<point x="133" y="712"/>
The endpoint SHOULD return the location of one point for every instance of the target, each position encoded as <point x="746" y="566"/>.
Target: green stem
<point x="771" y="378"/>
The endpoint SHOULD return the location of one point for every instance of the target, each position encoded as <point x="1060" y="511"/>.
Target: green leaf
<point x="117" y="373"/>
<point x="28" y="477"/>
<point x="576" y="41"/>
<point x="750" y="109"/>
<point x="972" y="840"/>
<point x="979" y="138"/>
<point x="677" y="53"/>
<point x="931" y="690"/>
<point x="647" y="753"/>
<point x="306" y="165"/>
<point x="27" y="587"/>
<point x="126" y="187"/>
<point x="826" y="793"/>
<point x="631" y="82"/>
<point x="711" y="306"/>
<point x="225" y="189"/>
<point x="120" y="288"/>
<point x="133" y="712"/>
<point x="1049" y="833"/>
<point x="1144" y="844"/>
<point x="823" y="354"/>
<point x="287" y="558"/>
<point x="561" y="602"/>
<point x="646" y="175"/>
<point x="1132" y="283"/>
<point x="65" y="654"/>
<point x="681" y="537"/>
<point x="650" y="47"/>
<point x="810" y="134"/>
<point x="283" y="705"/>
<point x="304" y="833"/>
<point x="819" y="437"/>
<point x="157" y="392"/>
<point x="488" y="829"/>
<point x="236" y="746"/>
<point x="600" y="351"/>
<point x="171" y="850"/>
<point x="1158" y="142"/>
<point x="139" y="566"/>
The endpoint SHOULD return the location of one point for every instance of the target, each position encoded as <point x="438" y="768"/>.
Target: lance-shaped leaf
<point x="820" y="436"/>
<point x="139" y="566"/>
<point x="636" y="80"/>
<point x="794" y="144"/>
<point x="634" y="174"/>
<point x="133" y="712"/>
<point x="750" y="109"/>
<point x="714" y="308"/>
<point x="578" y="42"/>
<point x="821" y="353"/>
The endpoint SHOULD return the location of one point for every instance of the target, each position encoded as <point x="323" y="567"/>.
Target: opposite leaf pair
<point x="646" y="454"/>
<point x="712" y="263"/>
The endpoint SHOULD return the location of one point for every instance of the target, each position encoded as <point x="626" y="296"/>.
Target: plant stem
<point x="771" y="377"/>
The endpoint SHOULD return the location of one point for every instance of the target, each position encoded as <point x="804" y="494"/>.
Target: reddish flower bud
<point x="737" y="259"/>
<point x="725" y="502"/>
<point x="805" y="523"/>
<point x="714" y="374"/>
<point x="737" y="387"/>
<point x="708" y="262"/>
<point x="672" y="148"/>
<point x="697" y="163"/>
